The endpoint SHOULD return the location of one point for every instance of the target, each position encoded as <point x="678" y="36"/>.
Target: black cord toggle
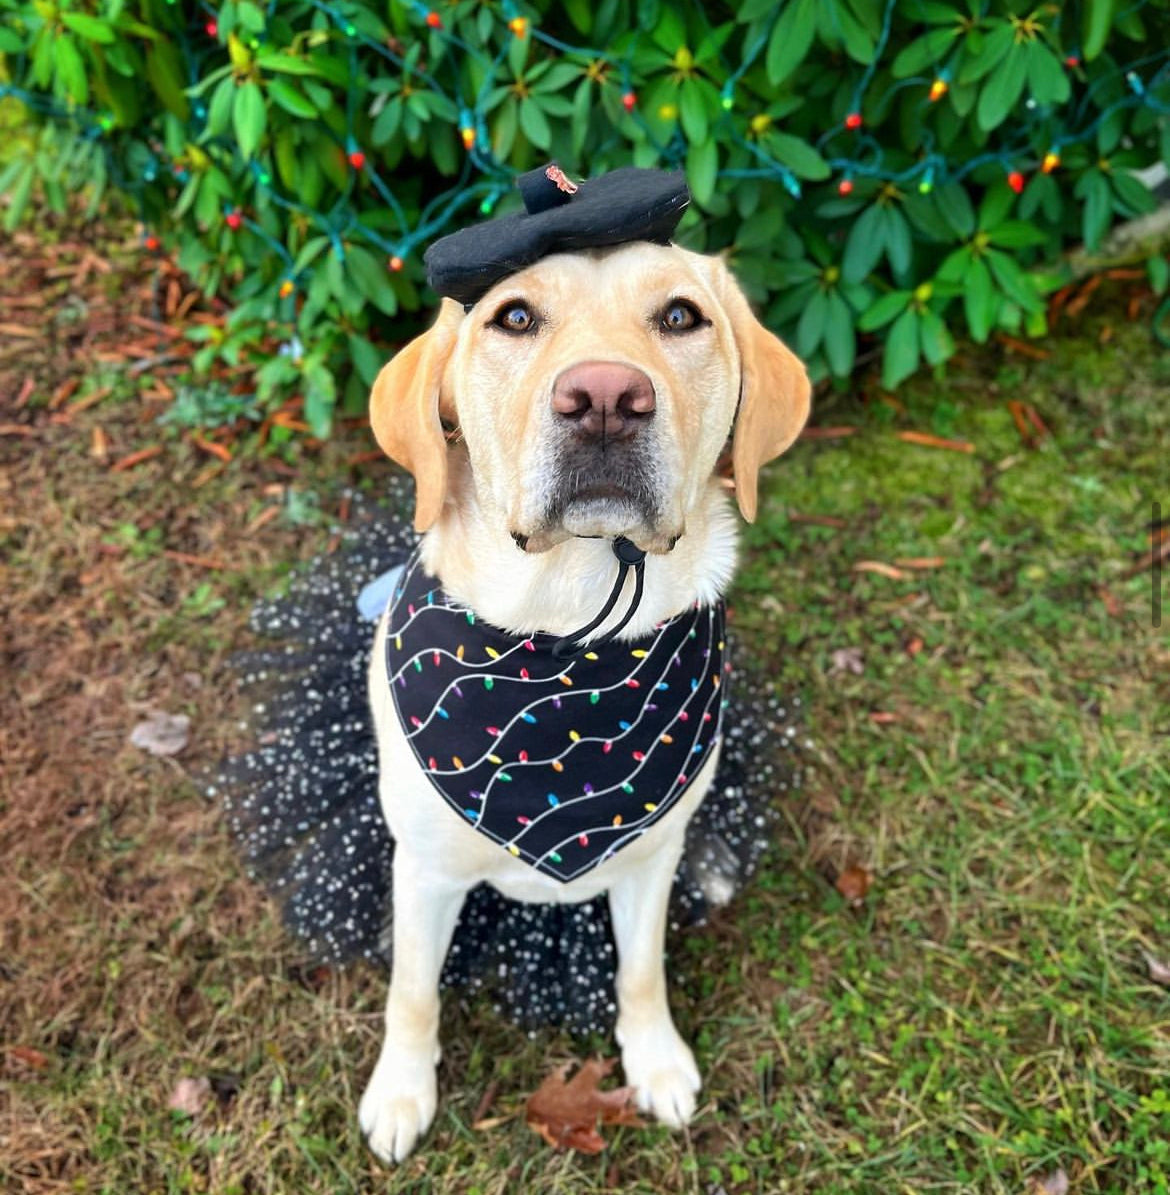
<point x="629" y="555"/>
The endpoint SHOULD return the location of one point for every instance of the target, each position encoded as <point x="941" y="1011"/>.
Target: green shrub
<point x="870" y="166"/>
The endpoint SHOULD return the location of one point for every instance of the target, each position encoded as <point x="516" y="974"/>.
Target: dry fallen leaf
<point x="881" y="568"/>
<point x="189" y="1096"/>
<point x="567" y="1114"/>
<point x="1159" y="971"/>
<point x="27" y="1056"/>
<point x="162" y="734"/>
<point x="846" y="659"/>
<point x="853" y="883"/>
<point x="1055" y="1183"/>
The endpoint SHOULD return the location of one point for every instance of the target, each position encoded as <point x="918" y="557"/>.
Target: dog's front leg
<point x="656" y="1060"/>
<point x="399" y="1101"/>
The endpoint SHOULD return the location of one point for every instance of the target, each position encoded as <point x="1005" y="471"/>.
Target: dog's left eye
<point x="680" y="316"/>
<point x="515" y="317"/>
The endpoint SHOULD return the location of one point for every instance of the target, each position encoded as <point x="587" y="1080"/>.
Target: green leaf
<point x="702" y="170"/>
<point x="1013" y="281"/>
<point x="1002" y="90"/>
<point x="250" y="15"/>
<point x="371" y="279"/>
<point x="1046" y="77"/>
<point x="901" y="355"/>
<point x="954" y="267"/>
<point x="582" y="112"/>
<point x="288" y="64"/>
<point x="18" y="198"/>
<point x="934" y="339"/>
<point x="320" y="398"/>
<point x="811" y="327"/>
<point x="750" y="10"/>
<point x="10" y="41"/>
<point x="884" y="310"/>
<point x="997" y="202"/>
<point x="797" y="155"/>
<point x="858" y="41"/>
<point x="1096" y="17"/>
<point x="791" y="37"/>
<point x="995" y="46"/>
<point x="534" y="124"/>
<point x="70" y="71"/>
<point x="1093" y="189"/>
<point x="839" y="339"/>
<point x="1132" y="193"/>
<point x="291" y="100"/>
<point x="898" y="241"/>
<point x="219" y="110"/>
<point x="1017" y="234"/>
<point x="249" y="117"/>
<point x="1159" y="272"/>
<point x="979" y="300"/>
<point x="164" y="68"/>
<point x="955" y="206"/>
<point x="88" y="27"/>
<point x="866" y="244"/>
<point x="366" y="358"/>
<point x="926" y="52"/>
<point x="692" y="111"/>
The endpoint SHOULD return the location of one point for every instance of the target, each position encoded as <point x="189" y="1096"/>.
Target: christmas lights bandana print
<point x="560" y="762"/>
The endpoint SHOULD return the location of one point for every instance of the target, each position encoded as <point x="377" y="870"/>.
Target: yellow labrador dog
<point x="592" y="393"/>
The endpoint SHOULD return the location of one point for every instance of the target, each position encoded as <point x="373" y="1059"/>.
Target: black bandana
<point x="562" y="763"/>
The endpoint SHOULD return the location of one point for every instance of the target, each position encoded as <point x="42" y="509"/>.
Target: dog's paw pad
<point x="397" y="1110"/>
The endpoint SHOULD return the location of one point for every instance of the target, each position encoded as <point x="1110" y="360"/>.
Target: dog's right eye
<point x="515" y="317"/>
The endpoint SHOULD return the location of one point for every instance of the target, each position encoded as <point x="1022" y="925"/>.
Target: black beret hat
<point x="560" y="216"/>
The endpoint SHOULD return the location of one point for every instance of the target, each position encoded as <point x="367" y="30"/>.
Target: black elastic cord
<point x="629" y="555"/>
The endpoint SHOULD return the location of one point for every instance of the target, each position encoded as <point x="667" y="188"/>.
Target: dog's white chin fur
<point x="604" y="517"/>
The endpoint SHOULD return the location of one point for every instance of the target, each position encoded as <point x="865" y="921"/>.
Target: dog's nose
<point x="604" y="398"/>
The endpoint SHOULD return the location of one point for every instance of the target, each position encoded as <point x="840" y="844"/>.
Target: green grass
<point x="984" y="1017"/>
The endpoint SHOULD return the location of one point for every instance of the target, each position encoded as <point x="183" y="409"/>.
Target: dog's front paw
<point x="660" y="1067"/>
<point x="399" y="1103"/>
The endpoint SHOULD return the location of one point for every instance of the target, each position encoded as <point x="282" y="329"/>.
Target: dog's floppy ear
<point x="774" y="396"/>
<point x="404" y="412"/>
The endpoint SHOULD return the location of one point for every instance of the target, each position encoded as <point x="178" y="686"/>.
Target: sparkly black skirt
<point x="303" y="802"/>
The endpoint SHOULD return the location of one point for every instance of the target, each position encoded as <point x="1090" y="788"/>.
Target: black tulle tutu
<point x="303" y="803"/>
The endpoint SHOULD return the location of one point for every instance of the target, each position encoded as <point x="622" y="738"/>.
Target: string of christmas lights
<point x="851" y="151"/>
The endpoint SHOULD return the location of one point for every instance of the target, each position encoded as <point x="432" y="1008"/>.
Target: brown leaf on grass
<point x="928" y="441"/>
<point x="883" y="570"/>
<point x="853" y="883"/>
<point x="567" y="1114"/>
<point x="189" y="558"/>
<point x="99" y="447"/>
<point x="27" y="1056"/>
<point x="1159" y="971"/>
<point x="920" y="562"/>
<point x="883" y="717"/>
<point x="210" y="446"/>
<point x="485" y="1102"/>
<point x="826" y="433"/>
<point x="1112" y="606"/>
<point x="189" y="1096"/>
<point x="1022" y="347"/>
<point x="1055" y="1183"/>
<point x="915" y="645"/>
<point x="136" y="458"/>
<point x="846" y="659"/>
<point x="162" y="734"/>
